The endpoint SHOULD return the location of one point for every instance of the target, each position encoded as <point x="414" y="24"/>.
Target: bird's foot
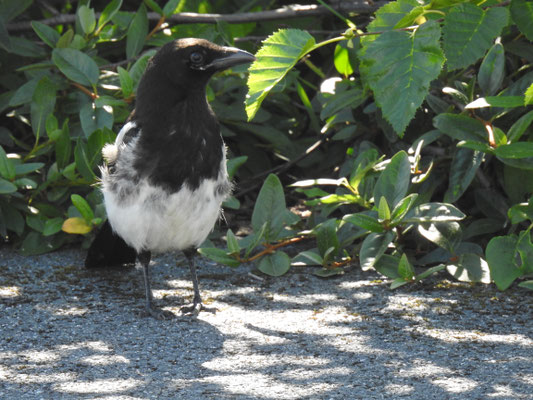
<point x="159" y="314"/>
<point x="195" y="308"/>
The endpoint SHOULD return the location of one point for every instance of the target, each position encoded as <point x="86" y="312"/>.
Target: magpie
<point x="164" y="178"/>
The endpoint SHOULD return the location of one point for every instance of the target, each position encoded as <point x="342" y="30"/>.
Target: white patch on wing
<point x="159" y="221"/>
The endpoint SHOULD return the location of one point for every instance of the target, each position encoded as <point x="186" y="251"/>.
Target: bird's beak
<point x="231" y="57"/>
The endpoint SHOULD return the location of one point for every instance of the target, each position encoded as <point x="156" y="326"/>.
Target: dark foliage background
<point x="395" y="135"/>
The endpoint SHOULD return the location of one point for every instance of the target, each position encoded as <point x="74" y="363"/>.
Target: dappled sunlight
<point x="98" y="386"/>
<point x="9" y="291"/>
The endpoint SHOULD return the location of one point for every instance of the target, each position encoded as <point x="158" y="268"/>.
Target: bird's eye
<point x="196" y="58"/>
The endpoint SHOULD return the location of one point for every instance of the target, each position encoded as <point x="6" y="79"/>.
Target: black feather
<point x="109" y="250"/>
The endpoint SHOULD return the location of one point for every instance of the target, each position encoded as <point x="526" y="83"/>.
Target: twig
<point x="291" y="11"/>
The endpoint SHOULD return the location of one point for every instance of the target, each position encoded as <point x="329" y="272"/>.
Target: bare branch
<point x="291" y="11"/>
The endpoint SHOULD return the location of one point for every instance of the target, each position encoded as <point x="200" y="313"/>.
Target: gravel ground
<point x="70" y="333"/>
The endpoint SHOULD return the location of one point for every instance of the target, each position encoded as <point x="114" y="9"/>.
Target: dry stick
<point x="291" y="11"/>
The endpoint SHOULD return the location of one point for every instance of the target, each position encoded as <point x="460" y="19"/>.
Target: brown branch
<point x="270" y="248"/>
<point x="291" y="11"/>
<point x="92" y="95"/>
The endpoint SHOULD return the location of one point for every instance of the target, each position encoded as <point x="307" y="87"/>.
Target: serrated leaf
<point x="388" y="16"/>
<point x="137" y="32"/>
<point x="76" y="65"/>
<point x="401" y="65"/>
<point x="275" y="264"/>
<point x="522" y="13"/>
<point x="373" y="247"/>
<point x="469" y="31"/>
<point x="219" y="255"/>
<point x="47" y="34"/>
<point x="500" y="255"/>
<point x="87" y="19"/>
<point x="462" y="172"/>
<point x="394" y="181"/>
<point x="277" y="55"/>
<point x="83" y="207"/>
<point x="76" y="225"/>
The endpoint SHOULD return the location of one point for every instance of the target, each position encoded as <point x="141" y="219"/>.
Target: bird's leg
<point x="196" y="306"/>
<point x="144" y="258"/>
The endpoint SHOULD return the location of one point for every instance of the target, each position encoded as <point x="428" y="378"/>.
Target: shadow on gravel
<point x="72" y="334"/>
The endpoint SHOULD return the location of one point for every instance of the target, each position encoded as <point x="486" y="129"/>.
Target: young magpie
<point x="165" y="176"/>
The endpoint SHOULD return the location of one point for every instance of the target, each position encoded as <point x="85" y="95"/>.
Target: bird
<point x="164" y="178"/>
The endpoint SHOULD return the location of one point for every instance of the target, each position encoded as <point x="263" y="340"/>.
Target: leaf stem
<point x="270" y="248"/>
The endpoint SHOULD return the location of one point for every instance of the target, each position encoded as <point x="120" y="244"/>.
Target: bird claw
<point x="195" y="308"/>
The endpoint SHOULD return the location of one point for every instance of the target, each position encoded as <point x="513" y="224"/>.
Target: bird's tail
<point x="109" y="250"/>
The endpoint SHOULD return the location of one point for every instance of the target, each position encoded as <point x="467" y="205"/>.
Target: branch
<point x="291" y="11"/>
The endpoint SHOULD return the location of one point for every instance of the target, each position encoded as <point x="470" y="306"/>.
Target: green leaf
<point x="270" y="208"/>
<point x="126" y="83"/>
<point x="328" y="272"/>
<point x="402" y="208"/>
<point x="373" y="247"/>
<point x="23" y="169"/>
<point x="434" y="212"/>
<point x="522" y="13"/>
<point x="470" y="268"/>
<point x="173" y="6"/>
<point x="388" y="16"/>
<point x="48" y="35"/>
<point x="82" y="161"/>
<point x="34" y="243"/>
<point x="256" y="239"/>
<point x="387" y="265"/>
<point x="351" y="98"/>
<point x="497" y="101"/>
<point x="341" y="60"/>
<point x="326" y="238"/>
<point x="9" y="9"/>
<point x="154" y="6"/>
<point x="232" y="243"/>
<point x="399" y="282"/>
<point x="405" y="269"/>
<point x="308" y="257"/>
<point x="7" y="168"/>
<point x="461" y="127"/>
<point x="76" y="66"/>
<point x="515" y="150"/>
<point x="393" y="182"/>
<point x="7" y="187"/>
<point x="500" y="254"/>
<point x="444" y="234"/>
<point x="76" y="226"/>
<point x="24" y="93"/>
<point x="383" y="210"/>
<point x="137" y="32"/>
<point x="462" y="172"/>
<point x="275" y="264"/>
<point x="526" y="284"/>
<point x="42" y="105"/>
<point x="5" y="40"/>
<point x="277" y="55"/>
<point x="109" y="11"/>
<point x="83" y="207"/>
<point x="233" y="164"/>
<point x="87" y="19"/>
<point x="429" y="272"/>
<point x="401" y="65"/>
<point x="492" y="70"/>
<point x="63" y="147"/>
<point x="365" y="221"/>
<point x="219" y="255"/>
<point x="12" y="217"/>
<point x="528" y="96"/>
<point x="93" y="118"/>
<point x="52" y="226"/>
<point x="469" y="31"/>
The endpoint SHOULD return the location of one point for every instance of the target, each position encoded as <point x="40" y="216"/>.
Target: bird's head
<point x="187" y="64"/>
